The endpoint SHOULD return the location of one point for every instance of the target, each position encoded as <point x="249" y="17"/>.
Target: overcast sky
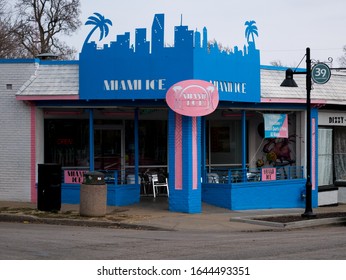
<point x="285" y="27"/>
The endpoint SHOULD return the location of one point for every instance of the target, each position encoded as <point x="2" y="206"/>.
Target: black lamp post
<point x="289" y="82"/>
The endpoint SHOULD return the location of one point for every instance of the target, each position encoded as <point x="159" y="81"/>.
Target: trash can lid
<point x="94" y="178"/>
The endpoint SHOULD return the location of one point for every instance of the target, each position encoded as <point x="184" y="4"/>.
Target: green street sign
<point x="320" y="73"/>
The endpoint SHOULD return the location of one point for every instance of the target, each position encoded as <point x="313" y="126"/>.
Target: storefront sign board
<point x="193" y="98"/>
<point x="148" y="68"/>
<point x="332" y="119"/>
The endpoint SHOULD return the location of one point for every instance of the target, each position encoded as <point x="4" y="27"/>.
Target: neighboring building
<point x="109" y="111"/>
<point x="330" y="100"/>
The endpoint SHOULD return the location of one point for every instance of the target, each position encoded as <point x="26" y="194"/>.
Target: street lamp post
<point x="289" y="82"/>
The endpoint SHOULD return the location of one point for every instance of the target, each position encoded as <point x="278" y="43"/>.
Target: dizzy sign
<point x="193" y="98"/>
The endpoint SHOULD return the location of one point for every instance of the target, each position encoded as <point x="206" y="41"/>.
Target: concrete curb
<point x="291" y="225"/>
<point x="75" y="222"/>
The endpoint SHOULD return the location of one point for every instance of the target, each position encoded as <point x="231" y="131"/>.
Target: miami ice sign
<point x="147" y="69"/>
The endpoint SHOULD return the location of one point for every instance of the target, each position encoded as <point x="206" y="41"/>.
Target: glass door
<point x="109" y="148"/>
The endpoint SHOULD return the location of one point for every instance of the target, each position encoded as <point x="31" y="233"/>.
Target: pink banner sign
<point x="193" y="98"/>
<point x="269" y="174"/>
<point x="74" y="176"/>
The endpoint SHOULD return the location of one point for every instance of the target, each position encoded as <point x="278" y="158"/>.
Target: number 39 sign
<point x="320" y="73"/>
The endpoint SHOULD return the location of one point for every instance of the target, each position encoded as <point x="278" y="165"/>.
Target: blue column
<point x="314" y="154"/>
<point x="184" y="163"/>
<point x="244" y="146"/>
<point x="136" y="146"/>
<point x="203" y="149"/>
<point x="91" y="139"/>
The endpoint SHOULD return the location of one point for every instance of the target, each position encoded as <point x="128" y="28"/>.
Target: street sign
<point x="320" y="73"/>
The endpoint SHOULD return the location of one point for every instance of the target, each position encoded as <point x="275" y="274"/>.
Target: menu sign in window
<point x="269" y="174"/>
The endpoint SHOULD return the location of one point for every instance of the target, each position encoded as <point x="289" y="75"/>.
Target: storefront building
<point x="215" y="123"/>
<point x="331" y="154"/>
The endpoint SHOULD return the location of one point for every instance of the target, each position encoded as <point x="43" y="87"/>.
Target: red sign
<point x="193" y="98"/>
<point x="64" y="141"/>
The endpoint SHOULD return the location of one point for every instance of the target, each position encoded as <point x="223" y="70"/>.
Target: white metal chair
<point x="213" y="178"/>
<point x="156" y="184"/>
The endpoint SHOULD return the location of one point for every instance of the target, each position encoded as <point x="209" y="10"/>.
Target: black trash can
<point x="49" y="187"/>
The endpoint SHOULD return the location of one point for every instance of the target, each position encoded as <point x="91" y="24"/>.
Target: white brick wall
<point x="15" y="141"/>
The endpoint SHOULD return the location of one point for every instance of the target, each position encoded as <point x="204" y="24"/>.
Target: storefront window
<point x="67" y="142"/>
<point x="152" y="143"/>
<point x="325" y="156"/>
<point x="224" y="142"/>
<point x="340" y="153"/>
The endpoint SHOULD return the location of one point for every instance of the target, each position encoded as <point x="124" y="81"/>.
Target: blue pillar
<point x="314" y="154"/>
<point x="136" y="146"/>
<point x="203" y="148"/>
<point x="244" y="144"/>
<point x="184" y="163"/>
<point x="91" y="139"/>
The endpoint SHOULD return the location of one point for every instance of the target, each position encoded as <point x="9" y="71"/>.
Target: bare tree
<point x="39" y="22"/>
<point x="276" y="63"/>
<point x="8" y="43"/>
<point x="342" y="59"/>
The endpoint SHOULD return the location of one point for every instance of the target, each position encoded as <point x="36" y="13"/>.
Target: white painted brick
<point x="14" y="133"/>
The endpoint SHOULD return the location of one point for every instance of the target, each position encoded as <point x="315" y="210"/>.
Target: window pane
<point x="340" y="153"/>
<point x="152" y="142"/>
<point x="66" y="142"/>
<point x="325" y="157"/>
<point x="225" y="142"/>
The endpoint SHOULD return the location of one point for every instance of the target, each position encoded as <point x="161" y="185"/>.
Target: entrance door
<point x="109" y="148"/>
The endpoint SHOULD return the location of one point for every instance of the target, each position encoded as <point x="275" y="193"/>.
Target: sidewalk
<point x="153" y="214"/>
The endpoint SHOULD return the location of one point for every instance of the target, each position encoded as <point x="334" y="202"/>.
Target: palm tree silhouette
<point x="251" y="30"/>
<point x="100" y="22"/>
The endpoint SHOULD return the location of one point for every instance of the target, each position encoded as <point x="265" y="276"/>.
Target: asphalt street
<point x="25" y="241"/>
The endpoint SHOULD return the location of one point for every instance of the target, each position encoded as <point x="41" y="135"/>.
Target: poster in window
<point x="275" y="125"/>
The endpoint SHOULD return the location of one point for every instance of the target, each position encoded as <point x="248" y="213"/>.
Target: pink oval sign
<point x="193" y="98"/>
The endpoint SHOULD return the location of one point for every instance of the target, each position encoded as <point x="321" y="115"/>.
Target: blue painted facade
<point x="132" y="75"/>
<point x="125" y="71"/>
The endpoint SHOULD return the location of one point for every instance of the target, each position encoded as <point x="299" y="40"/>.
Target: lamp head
<point x="289" y="81"/>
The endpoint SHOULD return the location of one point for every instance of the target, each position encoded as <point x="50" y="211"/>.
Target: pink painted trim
<point x="33" y="153"/>
<point x="194" y="154"/>
<point x="178" y="152"/>
<point x="293" y="100"/>
<point x="54" y="97"/>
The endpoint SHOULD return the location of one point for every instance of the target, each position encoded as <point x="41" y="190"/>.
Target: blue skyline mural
<point x="147" y="69"/>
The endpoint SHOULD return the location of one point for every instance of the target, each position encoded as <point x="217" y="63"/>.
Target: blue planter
<point x="257" y="195"/>
<point x="117" y="195"/>
<point x="122" y="195"/>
